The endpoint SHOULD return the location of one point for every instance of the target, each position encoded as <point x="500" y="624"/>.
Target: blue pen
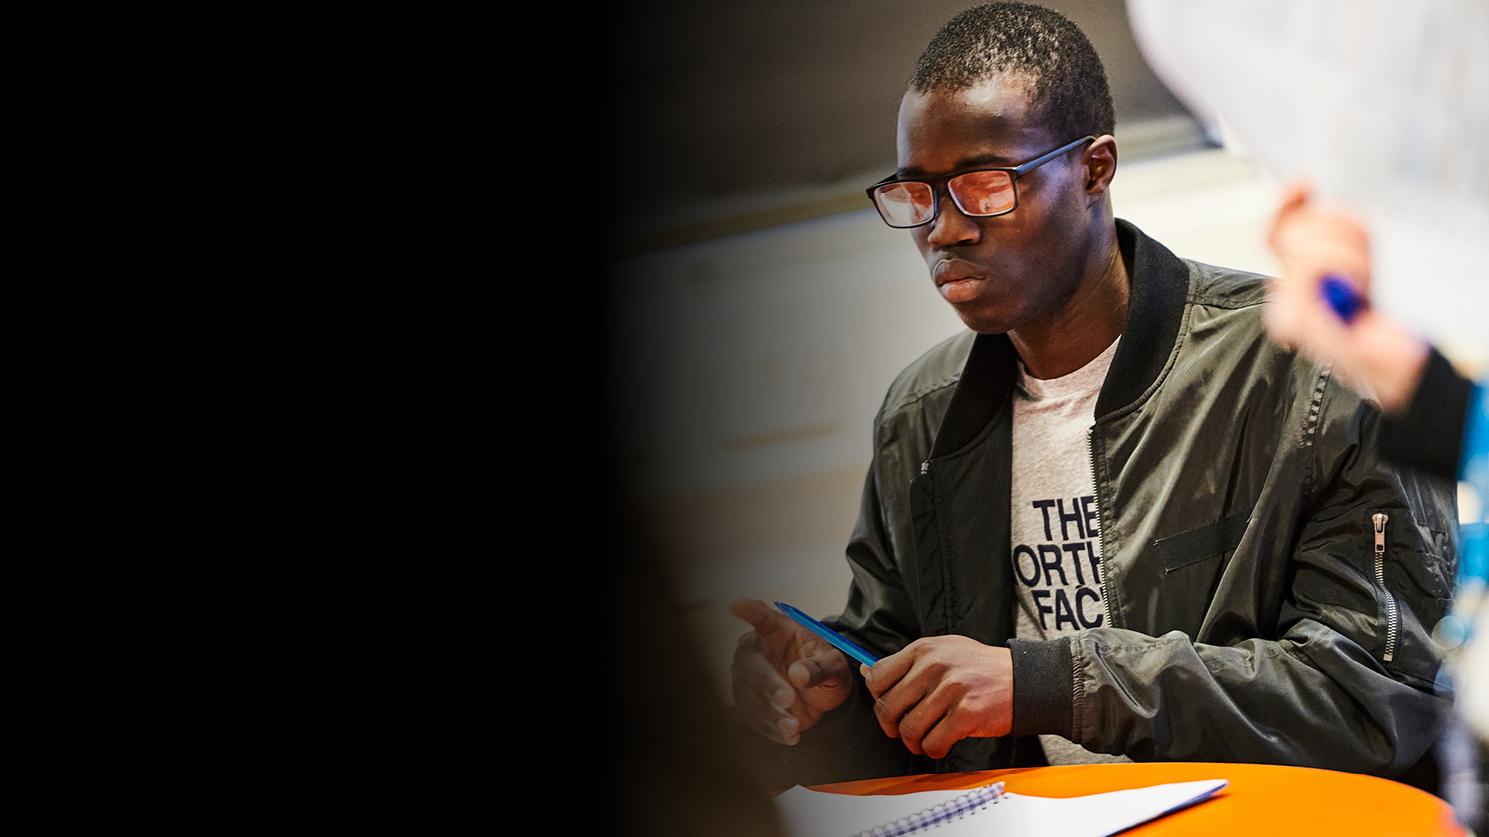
<point x="840" y="642"/>
<point x="1341" y="296"/>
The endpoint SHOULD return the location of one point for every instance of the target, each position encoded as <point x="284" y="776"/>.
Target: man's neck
<point x="1084" y="326"/>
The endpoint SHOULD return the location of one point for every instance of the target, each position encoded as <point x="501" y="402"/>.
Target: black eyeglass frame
<point x="1014" y="173"/>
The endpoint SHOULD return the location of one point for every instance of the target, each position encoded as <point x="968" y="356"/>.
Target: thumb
<point x="826" y="667"/>
<point x="1295" y="196"/>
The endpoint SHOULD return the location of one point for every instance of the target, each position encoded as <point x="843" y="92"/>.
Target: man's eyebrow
<point x="965" y="162"/>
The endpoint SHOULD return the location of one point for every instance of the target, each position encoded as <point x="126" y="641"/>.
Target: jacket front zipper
<point x="1106" y="602"/>
<point x="1380" y="578"/>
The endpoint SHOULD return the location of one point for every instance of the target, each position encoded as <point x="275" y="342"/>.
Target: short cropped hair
<point x="1069" y="93"/>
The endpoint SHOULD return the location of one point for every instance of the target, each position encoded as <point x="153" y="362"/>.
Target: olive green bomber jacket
<point x="1270" y="584"/>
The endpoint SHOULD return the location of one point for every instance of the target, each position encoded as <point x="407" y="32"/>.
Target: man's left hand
<point x="940" y="689"/>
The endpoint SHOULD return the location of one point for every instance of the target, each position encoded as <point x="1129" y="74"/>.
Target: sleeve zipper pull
<point x="1380" y="519"/>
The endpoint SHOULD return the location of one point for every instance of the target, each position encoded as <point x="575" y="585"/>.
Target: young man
<point x="1111" y="519"/>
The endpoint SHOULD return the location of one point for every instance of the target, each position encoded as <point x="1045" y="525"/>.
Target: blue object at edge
<point x="1341" y="296"/>
<point x="840" y="642"/>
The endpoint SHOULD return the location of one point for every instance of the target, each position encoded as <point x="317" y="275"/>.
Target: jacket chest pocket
<point x="1192" y="563"/>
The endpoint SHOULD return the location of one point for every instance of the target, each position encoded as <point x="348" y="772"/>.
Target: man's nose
<point x="951" y="226"/>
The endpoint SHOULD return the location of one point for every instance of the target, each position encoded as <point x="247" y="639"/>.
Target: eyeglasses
<point x="979" y="192"/>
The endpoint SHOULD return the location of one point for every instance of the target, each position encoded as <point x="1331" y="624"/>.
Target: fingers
<point x="1294" y="197"/>
<point x="925" y="715"/>
<point x="893" y="706"/>
<point x="766" y="718"/>
<point x="782" y="670"/>
<point x="913" y="725"/>
<point x="927" y="722"/>
<point x="827" y="666"/>
<point x="1312" y="240"/>
<point x="946" y="732"/>
<point x="765" y="619"/>
<point x="883" y="678"/>
<point x="777" y="633"/>
<point x="883" y="675"/>
<point x="1299" y="190"/>
<point x="757" y="669"/>
<point x="762" y="696"/>
<point x="822" y="678"/>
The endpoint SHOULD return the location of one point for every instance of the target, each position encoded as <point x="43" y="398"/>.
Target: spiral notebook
<point x="988" y="810"/>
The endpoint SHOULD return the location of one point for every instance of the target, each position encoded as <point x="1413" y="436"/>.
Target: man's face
<point x="1029" y="261"/>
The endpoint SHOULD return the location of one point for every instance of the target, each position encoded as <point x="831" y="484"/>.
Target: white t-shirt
<point x="1056" y="541"/>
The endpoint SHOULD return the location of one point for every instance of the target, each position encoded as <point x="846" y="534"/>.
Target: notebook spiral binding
<point x="943" y="812"/>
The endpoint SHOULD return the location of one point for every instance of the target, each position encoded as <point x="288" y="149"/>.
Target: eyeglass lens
<point x="910" y="203"/>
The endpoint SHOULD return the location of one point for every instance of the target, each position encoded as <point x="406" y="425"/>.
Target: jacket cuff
<point x="1043" y="694"/>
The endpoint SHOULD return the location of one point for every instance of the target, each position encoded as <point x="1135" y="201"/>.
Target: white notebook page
<point x="809" y="813"/>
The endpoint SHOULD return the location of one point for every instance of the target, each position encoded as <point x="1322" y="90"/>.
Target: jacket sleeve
<point x="847" y="742"/>
<point x="1428" y="433"/>
<point x="1336" y="674"/>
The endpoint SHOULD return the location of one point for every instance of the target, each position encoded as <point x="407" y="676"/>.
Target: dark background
<point x="733" y="115"/>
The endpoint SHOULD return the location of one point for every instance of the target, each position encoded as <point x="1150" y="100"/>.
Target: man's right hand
<point x="785" y="677"/>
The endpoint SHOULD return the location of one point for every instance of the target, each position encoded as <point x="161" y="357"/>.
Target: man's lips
<point x="955" y="271"/>
<point x="958" y="281"/>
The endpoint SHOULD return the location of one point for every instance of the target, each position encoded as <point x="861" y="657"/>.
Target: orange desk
<point x="1261" y="799"/>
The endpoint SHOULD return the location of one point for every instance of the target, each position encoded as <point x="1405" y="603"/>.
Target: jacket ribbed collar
<point x="1158" y="290"/>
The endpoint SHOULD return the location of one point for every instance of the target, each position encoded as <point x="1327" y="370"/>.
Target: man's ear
<point x="1100" y="158"/>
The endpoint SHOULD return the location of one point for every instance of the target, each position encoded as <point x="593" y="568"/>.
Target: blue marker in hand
<point x="1341" y="296"/>
<point x="840" y="642"/>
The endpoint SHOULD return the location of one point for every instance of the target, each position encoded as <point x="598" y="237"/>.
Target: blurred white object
<point x="1470" y="660"/>
<point x="1383" y="105"/>
<point x="1475" y="676"/>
